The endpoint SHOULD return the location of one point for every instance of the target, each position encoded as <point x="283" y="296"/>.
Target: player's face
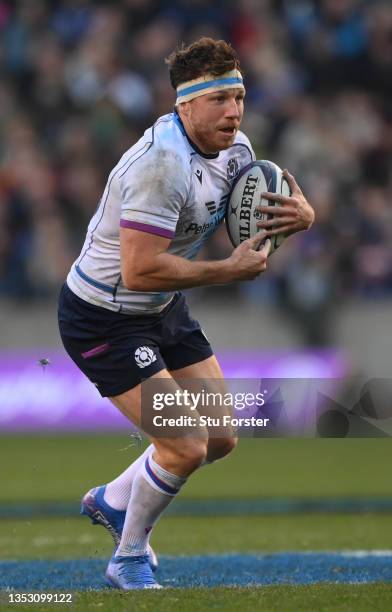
<point x="213" y="120"/>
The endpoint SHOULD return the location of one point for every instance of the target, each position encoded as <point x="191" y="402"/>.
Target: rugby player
<point x="122" y="315"/>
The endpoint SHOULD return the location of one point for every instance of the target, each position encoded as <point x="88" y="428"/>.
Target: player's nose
<point x="232" y="109"/>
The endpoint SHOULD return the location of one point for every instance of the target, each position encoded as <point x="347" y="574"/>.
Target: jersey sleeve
<point x="153" y="190"/>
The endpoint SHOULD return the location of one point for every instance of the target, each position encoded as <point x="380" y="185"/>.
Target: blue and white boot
<point x="131" y="573"/>
<point x="94" y="506"/>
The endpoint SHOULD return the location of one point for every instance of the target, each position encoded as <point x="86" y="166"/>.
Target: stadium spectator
<point x="82" y="79"/>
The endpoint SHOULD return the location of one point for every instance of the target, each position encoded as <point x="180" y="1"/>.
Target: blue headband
<point x="208" y="84"/>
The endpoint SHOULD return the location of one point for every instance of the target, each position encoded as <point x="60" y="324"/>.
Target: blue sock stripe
<point x="162" y="485"/>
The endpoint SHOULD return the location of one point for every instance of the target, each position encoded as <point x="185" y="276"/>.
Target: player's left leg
<point x="118" y="491"/>
<point x="106" y="505"/>
<point x="155" y="485"/>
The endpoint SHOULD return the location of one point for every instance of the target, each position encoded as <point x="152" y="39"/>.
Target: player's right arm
<point x="147" y="266"/>
<point x="154" y="188"/>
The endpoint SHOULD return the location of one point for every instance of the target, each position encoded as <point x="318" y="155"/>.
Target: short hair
<point x="206" y="55"/>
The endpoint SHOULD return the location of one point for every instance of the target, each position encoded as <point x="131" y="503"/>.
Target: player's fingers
<point x="257" y="240"/>
<point x="277" y="210"/>
<point x="285" y="229"/>
<point x="265" y="249"/>
<point x="275" y="197"/>
<point x="294" y="187"/>
<point x="271" y="223"/>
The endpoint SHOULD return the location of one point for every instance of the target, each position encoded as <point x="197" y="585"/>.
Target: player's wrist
<point x="226" y="271"/>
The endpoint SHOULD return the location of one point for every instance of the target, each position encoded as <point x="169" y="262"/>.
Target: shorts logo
<point x="144" y="356"/>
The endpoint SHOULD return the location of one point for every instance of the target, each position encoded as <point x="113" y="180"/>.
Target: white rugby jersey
<point x="162" y="185"/>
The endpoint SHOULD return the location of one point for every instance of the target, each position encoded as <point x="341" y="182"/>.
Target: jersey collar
<point x="180" y="124"/>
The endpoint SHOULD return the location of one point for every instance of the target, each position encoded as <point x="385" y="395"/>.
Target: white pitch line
<point x="40" y="541"/>
<point x="359" y="554"/>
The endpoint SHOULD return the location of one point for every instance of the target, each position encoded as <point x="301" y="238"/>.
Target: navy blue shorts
<point x="117" y="351"/>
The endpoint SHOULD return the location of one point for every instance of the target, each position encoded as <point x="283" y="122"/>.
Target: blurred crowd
<point x="82" y="79"/>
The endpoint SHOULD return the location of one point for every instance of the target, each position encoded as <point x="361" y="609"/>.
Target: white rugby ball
<point x="241" y="214"/>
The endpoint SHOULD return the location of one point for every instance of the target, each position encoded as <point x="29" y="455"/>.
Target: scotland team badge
<point x="232" y="168"/>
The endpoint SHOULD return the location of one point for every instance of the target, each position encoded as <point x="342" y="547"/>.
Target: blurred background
<point x="81" y="80"/>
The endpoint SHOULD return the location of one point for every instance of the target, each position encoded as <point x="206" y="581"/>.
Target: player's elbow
<point x="134" y="281"/>
<point x="140" y="276"/>
<point x="140" y="273"/>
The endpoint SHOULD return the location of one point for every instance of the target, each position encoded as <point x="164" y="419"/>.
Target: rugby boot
<point x="94" y="506"/>
<point x="130" y="573"/>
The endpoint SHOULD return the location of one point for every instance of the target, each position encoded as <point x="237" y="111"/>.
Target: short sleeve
<point x="154" y="188"/>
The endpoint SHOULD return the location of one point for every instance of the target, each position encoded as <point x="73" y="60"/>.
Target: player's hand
<point x="249" y="259"/>
<point x="294" y="213"/>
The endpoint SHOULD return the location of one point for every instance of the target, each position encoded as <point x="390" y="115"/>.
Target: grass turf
<point x="61" y="467"/>
<point x="323" y="598"/>
<point x="56" y="538"/>
<point x="38" y="468"/>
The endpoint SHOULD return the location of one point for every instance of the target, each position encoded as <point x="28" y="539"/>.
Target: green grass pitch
<point x="62" y="468"/>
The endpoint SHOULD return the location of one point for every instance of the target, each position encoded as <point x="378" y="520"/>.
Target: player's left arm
<point x="293" y="214"/>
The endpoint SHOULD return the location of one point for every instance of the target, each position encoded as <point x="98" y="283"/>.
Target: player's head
<point x="210" y="92"/>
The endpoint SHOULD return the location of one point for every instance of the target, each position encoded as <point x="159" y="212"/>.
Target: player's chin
<point x="226" y="139"/>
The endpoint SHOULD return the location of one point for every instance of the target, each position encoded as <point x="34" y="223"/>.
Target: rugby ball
<point x="241" y="214"/>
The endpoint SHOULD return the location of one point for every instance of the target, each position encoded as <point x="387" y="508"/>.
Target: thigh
<point x="130" y="402"/>
<point x="207" y="368"/>
<point x="168" y="441"/>
<point x="206" y="377"/>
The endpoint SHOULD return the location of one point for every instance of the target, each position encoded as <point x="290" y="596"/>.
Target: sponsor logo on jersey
<point x="223" y="203"/>
<point x="232" y="168"/>
<point x="144" y="356"/>
<point x="203" y="227"/>
<point x="211" y="207"/>
<point x="216" y="211"/>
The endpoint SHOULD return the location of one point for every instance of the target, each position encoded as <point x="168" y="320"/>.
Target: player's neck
<point x="196" y="143"/>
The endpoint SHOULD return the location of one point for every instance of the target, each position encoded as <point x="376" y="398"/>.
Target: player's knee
<point x="191" y="453"/>
<point x="220" y="447"/>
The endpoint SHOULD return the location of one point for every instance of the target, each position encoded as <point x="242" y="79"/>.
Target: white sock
<point x="153" y="489"/>
<point x="118" y="491"/>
